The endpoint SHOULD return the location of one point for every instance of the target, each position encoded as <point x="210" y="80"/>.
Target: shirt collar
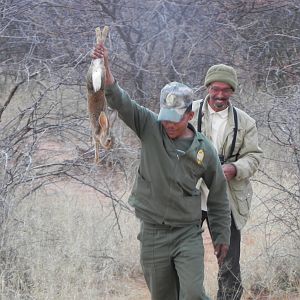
<point x="222" y="114"/>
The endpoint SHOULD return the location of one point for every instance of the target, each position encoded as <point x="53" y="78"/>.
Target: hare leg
<point x="97" y="144"/>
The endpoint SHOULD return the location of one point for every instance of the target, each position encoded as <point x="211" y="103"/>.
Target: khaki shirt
<point x="249" y="155"/>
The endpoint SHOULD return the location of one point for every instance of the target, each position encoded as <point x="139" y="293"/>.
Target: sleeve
<point x="134" y="115"/>
<point x="250" y="154"/>
<point x="218" y="208"/>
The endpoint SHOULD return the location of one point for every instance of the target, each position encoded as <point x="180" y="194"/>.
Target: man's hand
<point x="229" y="171"/>
<point x="100" y="51"/>
<point x="221" y="252"/>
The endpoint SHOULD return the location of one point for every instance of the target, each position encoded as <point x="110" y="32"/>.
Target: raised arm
<point x="134" y="115"/>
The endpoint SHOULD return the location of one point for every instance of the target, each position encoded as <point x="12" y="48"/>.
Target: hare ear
<point x="112" y="117"/>
<point x="98" y="35"/>
<point x="104" y="33"/>
<point x="103" y="121"/>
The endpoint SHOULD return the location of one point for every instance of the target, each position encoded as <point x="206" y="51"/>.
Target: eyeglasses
<point x="216" y="90"/>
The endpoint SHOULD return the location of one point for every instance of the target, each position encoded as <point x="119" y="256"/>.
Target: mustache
<point x="220" y="98"/>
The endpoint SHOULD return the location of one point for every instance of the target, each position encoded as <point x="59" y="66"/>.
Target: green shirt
<point x="165" y="190"/>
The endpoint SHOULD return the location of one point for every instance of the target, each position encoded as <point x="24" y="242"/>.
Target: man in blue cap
<point x="173" y="158"/>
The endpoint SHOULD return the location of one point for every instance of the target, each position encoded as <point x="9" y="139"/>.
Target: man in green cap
<point x="165" y="198"/>
<point x="234" y="135"/>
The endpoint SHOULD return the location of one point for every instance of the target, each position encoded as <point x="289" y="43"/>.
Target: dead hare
<point x="101" y="120"/>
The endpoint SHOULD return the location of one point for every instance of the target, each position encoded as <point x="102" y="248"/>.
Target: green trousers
<point x="172" y="261"/>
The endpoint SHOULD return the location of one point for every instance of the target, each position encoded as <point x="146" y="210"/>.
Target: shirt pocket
<point x="189" y="177"/>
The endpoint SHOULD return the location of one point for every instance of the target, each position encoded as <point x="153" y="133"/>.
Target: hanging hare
<point x="100" y="119"/>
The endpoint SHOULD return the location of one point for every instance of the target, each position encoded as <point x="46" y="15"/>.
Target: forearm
<point x="218" y="205"/>
<point x="109" y="78"/>
<point x="249" y="156"/>
<point x="116" y="97"/>
<point x="219" y="218"/>
<point x="134" y="115"/>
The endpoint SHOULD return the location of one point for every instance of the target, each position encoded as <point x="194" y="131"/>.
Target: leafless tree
<point x="44" y="56"/>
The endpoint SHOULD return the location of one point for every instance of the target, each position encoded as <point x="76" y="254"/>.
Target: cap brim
<point x="171" y="115"/>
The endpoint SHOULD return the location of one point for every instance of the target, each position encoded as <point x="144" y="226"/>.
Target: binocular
<point x="222" y="159"/>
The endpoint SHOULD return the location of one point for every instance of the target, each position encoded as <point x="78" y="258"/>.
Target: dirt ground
<point x="137" y="288"/>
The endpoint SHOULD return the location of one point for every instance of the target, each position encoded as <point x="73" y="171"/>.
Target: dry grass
<point x="71" y="244"/>
<point x="64" y="242"/>
<point x="69" y="247"/>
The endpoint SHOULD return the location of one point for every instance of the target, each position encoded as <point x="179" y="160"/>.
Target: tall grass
<point x="68" y="246"/>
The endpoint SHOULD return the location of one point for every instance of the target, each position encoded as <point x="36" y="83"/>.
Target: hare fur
<point x="100" y="120"/>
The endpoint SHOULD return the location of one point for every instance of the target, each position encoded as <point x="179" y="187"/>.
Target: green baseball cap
<point x="175" y="98"/>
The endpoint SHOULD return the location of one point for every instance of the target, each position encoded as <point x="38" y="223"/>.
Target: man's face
<point x="219" y="94"/>
<point x="179" y="129"/>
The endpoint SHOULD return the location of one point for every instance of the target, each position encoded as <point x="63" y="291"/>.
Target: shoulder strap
<point x="200" y="116"/>
<point x="234" y="132"/>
